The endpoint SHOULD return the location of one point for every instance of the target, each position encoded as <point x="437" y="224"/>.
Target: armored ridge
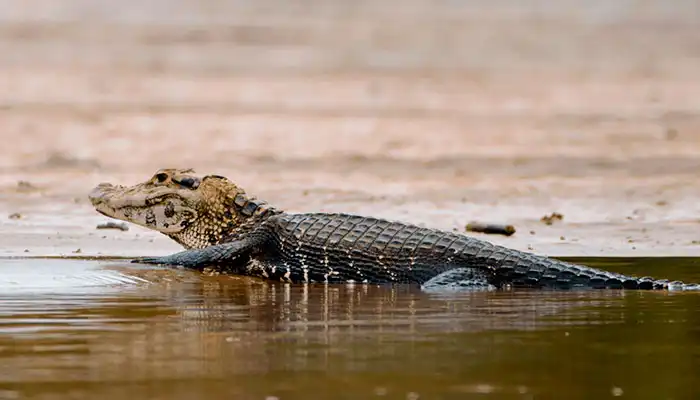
<point x="222" y="227"/>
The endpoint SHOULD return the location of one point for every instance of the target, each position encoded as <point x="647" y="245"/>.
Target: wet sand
<point x="590" y="112"/>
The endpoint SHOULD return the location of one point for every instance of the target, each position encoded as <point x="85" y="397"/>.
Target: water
<point x="153" y="333"/>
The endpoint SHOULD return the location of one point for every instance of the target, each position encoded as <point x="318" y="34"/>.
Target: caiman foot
<point x="194" y="259"/>
<point x="217" y="255"/>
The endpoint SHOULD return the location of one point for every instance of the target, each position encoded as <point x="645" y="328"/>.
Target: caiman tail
<point x="521" y="269"/>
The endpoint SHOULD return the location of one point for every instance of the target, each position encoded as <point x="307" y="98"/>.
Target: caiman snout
<point x="99" y="193"/>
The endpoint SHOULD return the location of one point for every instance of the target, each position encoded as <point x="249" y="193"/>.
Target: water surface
<point x="89" y="329"/>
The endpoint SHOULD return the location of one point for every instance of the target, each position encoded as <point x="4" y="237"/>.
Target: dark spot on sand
<point x="114" y="225"/>
<point x="549" y="219"/>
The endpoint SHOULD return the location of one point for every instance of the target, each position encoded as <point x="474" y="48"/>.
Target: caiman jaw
<point x="100" y="198"/>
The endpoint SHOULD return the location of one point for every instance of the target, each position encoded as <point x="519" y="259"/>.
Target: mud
<point x="589" y="112"/>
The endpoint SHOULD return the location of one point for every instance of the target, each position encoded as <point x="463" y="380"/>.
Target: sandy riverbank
<point x="593" y="118"/>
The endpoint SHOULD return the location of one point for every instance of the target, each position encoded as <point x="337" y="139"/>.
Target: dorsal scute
<point x="250" y="206"/>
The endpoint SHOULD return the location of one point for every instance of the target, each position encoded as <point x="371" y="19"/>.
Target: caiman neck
<point x="229" y="219"/>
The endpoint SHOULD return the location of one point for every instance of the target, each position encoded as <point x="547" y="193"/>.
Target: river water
<point x="90" y="329"/>
<point x="428" y="112"/>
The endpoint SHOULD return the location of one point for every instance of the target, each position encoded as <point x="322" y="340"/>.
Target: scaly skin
<point x="221" y="227"/>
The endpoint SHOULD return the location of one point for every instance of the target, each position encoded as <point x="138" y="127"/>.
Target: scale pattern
<point x="319" y="247"/>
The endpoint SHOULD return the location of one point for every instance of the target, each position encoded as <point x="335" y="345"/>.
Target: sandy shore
<point x="596" y="119"/>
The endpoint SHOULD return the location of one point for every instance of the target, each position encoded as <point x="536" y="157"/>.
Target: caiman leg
<point x="226" y="253"/>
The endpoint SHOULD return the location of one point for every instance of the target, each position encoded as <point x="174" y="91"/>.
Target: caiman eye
<point x="190" y="183"/>
<point x="161" y="177"/>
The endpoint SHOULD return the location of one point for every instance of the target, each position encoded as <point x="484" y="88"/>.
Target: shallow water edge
<point x="183" y="335"/>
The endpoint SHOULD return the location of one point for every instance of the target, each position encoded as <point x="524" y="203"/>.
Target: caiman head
<point x="194" y="210"/>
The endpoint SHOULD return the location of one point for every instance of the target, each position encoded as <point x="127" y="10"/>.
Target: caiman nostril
<point x="97" y="194"/>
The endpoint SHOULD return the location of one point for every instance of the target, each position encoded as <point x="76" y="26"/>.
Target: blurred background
<point x="434" y="111"/>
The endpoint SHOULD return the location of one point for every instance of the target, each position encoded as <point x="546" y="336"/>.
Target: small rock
<point x="26" y="250"/>
<point x="14" y="216"/>
<point x="549" y="219"/>
<point x="122" y="226"/>
<point x="562" y="238"/>
<point x="78" y="251"/>
<point x="494" y="229"/>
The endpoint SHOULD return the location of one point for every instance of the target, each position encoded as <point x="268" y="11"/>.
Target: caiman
<point x="223" y="228"/>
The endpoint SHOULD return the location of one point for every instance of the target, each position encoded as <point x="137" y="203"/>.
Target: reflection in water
<point x="353" y="309"/>
<point x="186" y="336"/>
